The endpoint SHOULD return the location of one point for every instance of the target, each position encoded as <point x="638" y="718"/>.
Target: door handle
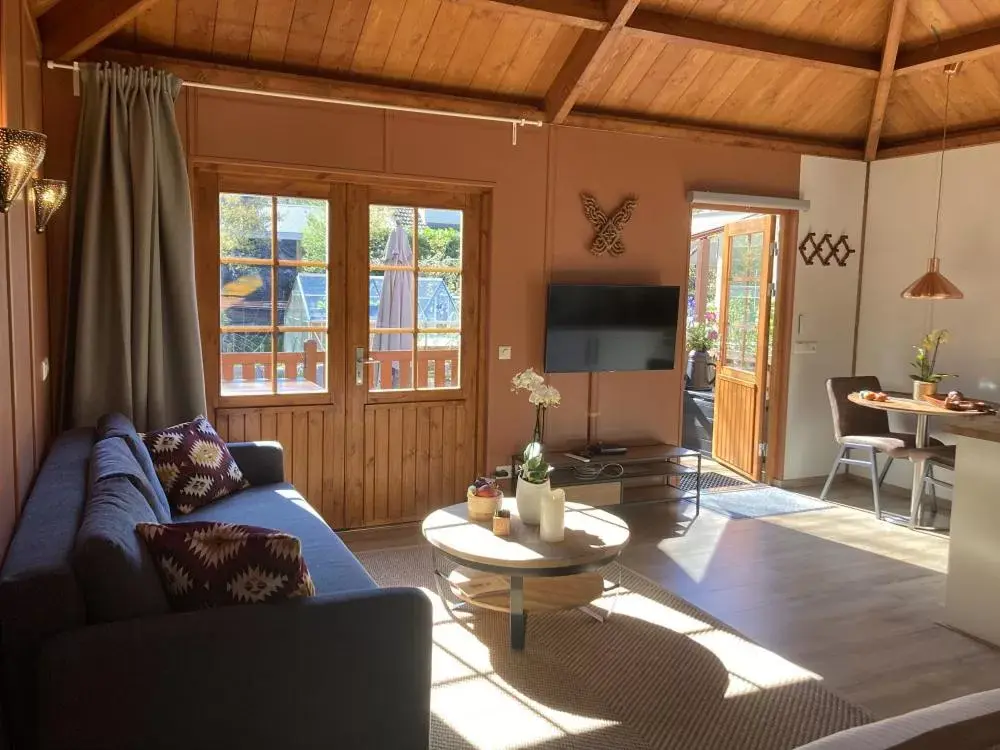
<point x="359" y="365"/>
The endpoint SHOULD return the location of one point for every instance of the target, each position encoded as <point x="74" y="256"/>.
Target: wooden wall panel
<point x="313" y="442"/>
<point x="418" y="457"/>
<point x="24" y="397"/>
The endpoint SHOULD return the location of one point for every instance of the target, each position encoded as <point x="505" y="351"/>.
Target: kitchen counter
<point x="972" y="594"/>
<point x="987" y="428"/>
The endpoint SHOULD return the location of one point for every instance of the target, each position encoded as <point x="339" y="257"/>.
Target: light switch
<point x="503" y="352"/>
<point x="804" y="347"/>
<point x="45" y="369"/>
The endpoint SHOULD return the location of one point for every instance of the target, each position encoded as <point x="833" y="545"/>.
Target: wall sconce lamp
<point x="49" y="197"/>
<point x="21" y="154"/>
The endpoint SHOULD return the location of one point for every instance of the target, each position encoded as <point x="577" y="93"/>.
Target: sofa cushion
<point x="112" y="457"/>
<point x="117" y="574"/>
<point x="118" y="425"/>
<point x="332" y="566"/>
<point x="193" y="464"/>
<point x="207" y="564"/>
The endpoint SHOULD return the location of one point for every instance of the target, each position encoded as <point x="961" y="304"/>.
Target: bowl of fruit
<point x="484" y="498"/>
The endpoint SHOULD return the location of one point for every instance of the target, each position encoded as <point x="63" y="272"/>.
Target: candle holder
<point x="501" y="522"/>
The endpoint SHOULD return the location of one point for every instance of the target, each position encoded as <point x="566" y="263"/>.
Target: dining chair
<point x="859" y="428"/>
<point x="936" y="456"/>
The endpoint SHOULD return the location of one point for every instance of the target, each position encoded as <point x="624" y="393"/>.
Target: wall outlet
<point x="503" y="472"/>
<point x="503" y="352"/>
<point x="804" y="347"/>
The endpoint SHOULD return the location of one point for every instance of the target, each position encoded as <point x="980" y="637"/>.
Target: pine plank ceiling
<point x="855" y="78"/>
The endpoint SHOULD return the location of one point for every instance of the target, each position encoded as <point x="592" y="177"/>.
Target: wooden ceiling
<point x="853" y="78"/>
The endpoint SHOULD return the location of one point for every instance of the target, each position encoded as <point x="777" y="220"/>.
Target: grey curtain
<point x="133" y="343"/>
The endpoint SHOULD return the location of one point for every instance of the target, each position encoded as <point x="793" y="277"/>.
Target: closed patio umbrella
<point x="395" y="304"/>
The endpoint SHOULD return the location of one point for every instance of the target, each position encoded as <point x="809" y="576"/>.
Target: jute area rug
<point x="659" y="673"/>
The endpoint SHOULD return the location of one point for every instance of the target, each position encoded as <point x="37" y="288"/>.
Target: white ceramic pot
<point x="922" y="388"/>
<point x="528" y="496"/>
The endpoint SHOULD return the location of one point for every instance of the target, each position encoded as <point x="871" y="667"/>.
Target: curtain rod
<point x="514" y="122"/>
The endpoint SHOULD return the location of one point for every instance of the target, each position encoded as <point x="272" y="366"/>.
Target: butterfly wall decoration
<point x="608" y="229"/>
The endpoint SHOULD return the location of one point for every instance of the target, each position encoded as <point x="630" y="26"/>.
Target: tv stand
<point x="643" y="474"/>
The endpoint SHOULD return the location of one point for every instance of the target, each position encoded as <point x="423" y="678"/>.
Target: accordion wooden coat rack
<point x="825" y="250"/>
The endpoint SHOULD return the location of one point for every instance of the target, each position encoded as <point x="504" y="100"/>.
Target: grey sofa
<point x="92" y="657"/>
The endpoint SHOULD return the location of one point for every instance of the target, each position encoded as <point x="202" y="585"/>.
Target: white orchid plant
<point x="543" y="396"/>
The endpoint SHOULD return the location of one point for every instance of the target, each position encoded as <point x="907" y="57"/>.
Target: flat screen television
<point x="604" y="328"/>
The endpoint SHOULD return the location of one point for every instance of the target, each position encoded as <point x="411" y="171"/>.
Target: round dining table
<point x="923" y="411"/>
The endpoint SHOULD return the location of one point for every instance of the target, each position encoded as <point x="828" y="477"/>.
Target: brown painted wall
<point x="539" y="230"/>
<point x="24" y="342"/>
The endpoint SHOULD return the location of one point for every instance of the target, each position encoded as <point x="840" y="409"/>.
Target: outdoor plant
<point x="702" y="335"/>
<point x="926" y="360"/>
<point x="543" y="396"/>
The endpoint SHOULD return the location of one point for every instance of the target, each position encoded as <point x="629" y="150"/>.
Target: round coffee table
<point x="559" y="573"/>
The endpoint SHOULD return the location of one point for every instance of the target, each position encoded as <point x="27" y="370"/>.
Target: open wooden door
<point x="741" y="374"/>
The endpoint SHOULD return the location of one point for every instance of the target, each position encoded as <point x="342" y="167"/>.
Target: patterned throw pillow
<point x="209" y="564"/>
<point x="193" y="464"/>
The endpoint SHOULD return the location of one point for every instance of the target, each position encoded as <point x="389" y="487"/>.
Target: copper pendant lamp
<point x="934" y="284"/>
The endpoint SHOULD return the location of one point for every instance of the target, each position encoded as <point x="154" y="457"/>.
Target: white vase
<point x="553" y="525"/>
<point x="528" y="496"/>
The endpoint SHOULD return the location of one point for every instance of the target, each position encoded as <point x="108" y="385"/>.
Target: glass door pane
<point x="743" y="284"/>
<point x="414" y="297"/>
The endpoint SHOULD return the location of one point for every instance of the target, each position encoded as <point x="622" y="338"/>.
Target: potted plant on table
<point x="926" y="378"/>
<point x="702" y="337"/>
<point x="533" y="478"/>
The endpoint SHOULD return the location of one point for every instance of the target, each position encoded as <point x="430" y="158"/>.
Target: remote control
<point x="578" y="457"/>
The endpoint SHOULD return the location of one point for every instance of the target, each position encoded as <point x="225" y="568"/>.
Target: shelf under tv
<point x="644" y="474"/>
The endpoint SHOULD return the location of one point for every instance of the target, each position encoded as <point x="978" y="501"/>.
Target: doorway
<point x="343" y="320"/>
<point x="732" y="293"/>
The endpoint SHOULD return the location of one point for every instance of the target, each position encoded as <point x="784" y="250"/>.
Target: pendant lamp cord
<point x="944" y="140"/>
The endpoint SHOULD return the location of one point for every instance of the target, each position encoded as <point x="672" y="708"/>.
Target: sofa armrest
<point x="262" y="462"/>
<point x="968" y="723"/>
<point x="335" y="671"/>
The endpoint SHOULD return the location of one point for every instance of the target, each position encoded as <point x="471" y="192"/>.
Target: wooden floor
<point x="835" y="591"/>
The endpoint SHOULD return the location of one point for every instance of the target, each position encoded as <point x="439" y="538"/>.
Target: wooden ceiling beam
<point x="588" y="55"/>
<point x="263" y="79"/>
<point x="72" y="27"/>
<point x="966" y="47"/>
<point x="931" y="143"/>
<point x="737" y="41"/>
<point x="885" y="75"/>
<point x="586" y="14"/>
<point x="677" y="130"/>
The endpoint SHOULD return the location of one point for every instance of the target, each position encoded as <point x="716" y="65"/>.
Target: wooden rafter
<point x="262" y="79"/>
<point x="713" y="135"/>
<point x="966" y="47"/>
<point x="588" y="54"/>
<point x="72" y="27"/>
<point x="586" y="14"/>
<point x="931" y="143"/>
<point x="591" y="14"/>
<point x="704" y="35"/>
<point x="881" y="101"/>
<point x="289" y="83"/>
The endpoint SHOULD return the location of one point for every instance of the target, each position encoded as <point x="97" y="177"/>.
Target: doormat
<point x="759" y="502"/>
<point x="711" y="480"/>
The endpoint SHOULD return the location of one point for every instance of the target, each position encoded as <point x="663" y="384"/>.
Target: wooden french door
<point x="343" y="321"/>
<point x="741" y="374"/>
<point x="413" y="375"/>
